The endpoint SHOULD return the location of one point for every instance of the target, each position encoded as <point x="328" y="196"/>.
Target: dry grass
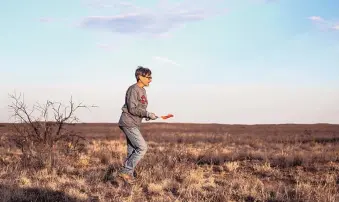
<point x="188" y="163"/>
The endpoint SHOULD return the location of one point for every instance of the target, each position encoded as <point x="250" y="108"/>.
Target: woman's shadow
<point x="18" y="194"/>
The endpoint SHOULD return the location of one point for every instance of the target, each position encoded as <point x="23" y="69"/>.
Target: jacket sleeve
<point x="132" y="104"/>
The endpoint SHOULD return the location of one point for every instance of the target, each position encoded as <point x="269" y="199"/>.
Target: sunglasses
<point x="149" y="77"/>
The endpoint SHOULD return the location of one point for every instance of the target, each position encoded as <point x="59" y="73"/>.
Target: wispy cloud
<point x="111" y="4"/>
<point x="46" y="20"/>
<point x="106" y="47"/>
<point x="166" y="60"/>
<point x="336" y="27"/>
<point x="159" y="19"/>
<point x="264" y="1"/>
<point x="325" y="24"/>
<point x="316" y="18"/>
<point x="50" y="20"/>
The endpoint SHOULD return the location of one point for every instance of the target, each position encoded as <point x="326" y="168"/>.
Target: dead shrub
<point x="39" y="138"/>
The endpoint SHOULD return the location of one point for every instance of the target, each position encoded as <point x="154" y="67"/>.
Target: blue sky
<point x="221" y="61"/>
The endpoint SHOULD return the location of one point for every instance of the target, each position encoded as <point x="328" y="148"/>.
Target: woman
<point x="133" y="111"/>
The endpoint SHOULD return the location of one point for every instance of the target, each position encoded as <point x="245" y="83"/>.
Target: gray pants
<point x="136" y="148"/>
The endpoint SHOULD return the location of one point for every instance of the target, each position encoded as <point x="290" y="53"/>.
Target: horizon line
<point x="200" y="123"/>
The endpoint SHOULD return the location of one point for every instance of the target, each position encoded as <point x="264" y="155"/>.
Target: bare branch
<point x="36" y="136"/>
<point x="20" y="110"/>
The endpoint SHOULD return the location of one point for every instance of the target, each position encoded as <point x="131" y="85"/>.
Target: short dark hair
<point x="142" y="71"/>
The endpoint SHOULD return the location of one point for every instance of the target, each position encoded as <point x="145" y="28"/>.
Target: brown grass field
<point x="186" y="162"/>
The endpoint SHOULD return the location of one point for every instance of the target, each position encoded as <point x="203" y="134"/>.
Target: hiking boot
<point x="126" y="177"/>
<point x="135" y="174"/>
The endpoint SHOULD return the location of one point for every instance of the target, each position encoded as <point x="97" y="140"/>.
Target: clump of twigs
<point x="41" y="132"/>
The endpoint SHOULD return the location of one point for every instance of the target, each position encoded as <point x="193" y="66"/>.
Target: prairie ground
<point x="186" y="162"/>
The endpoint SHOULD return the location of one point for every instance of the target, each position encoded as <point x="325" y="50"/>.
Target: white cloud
<point x="158" y="20"/>
<point x="166" y="60"/>
<point x="336" y="27"/>
<point x="111" y="4"/>
<point x="324" y="23"/>
<point x="46" y="20"/>
<point x="316" y="18"/>
<point x="106" y="46"/>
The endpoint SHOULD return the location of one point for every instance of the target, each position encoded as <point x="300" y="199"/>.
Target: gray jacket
<point x="135" y="107"/>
